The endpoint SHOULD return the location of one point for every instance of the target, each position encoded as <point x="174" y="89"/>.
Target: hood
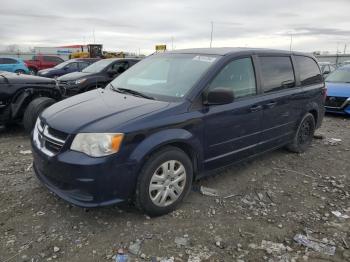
<point x="98" y="111"/>
<point x="49" y="70"/>
<point x="27" y="79"/>
<point x="338" y="89"/>
<point x="75" y="76"/>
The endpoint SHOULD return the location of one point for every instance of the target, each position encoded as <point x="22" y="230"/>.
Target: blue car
<point x="338" y="91"/>
<point x="172" y="118"/>
<point x="15" y="65"/>
<point x="70" y="66"/>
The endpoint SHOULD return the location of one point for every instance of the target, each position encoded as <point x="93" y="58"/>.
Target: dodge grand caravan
<point x="171" y="118"/>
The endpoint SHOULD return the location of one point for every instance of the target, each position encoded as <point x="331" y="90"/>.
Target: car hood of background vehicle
<point x="338" y="89"/>
<point x="75" y="76"/>
<point x="49" y="70"/>
<point x="28" y="79"/>
<point x="98" y="111"/>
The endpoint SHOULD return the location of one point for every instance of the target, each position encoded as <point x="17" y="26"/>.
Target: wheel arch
<point x="179" y="138"/>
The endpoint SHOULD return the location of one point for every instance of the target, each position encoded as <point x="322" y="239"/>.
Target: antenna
<point x="211" y="33"/>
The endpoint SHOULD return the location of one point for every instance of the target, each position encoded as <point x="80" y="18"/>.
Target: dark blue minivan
<point x="171" y="118"/>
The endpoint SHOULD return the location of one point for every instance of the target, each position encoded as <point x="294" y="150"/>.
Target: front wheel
<point x="303" y="137"/>
<point x="33" y="110"/>
<point x="164" y="181"/>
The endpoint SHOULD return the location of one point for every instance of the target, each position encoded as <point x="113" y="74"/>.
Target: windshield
<point x="165" y="76"/>
<point x="61" y="65"/>
<point x="340" y="75"/>
<point x="97" y="66"/>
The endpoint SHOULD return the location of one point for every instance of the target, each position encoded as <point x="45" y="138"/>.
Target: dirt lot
<point x="263" y="204"/>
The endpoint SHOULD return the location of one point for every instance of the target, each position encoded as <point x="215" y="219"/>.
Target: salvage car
<point x="40" y="62"/>
<point x="15" y="65"/>
<point x="70" y="66"/>
<point x="99" y="74"/>
<point x="171" y="119"/>
<point x="338" y="91"/>
<point x="23" y="97"/>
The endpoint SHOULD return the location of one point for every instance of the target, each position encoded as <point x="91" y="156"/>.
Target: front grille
<point x="335" y="102"/>
<point x="48" y="140"/>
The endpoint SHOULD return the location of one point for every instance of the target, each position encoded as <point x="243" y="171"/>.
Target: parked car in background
<point x="338" y="91"/>
<point x="39" y="62"/>
<point x="70" y="66"/>
<point x="173" y="117"/>
<point x="15" y="65"/>
<point x="23" y="97"/>
<point x="327" y="68"/>
<point x="98" y="74"/>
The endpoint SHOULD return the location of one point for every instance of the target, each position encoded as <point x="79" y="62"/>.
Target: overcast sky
<point x="134" y="24"/>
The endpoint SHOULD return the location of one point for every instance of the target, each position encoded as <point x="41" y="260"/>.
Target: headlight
<point x="97" y="144"/>
<point x="80" y="81"/>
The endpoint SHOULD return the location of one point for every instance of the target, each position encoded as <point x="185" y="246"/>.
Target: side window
<point x="2" y="61"/>
<point x="73" y="66"/>
<point x="309" y="71"/>
<point x="120" y="66"/>
<point x="237" y="75"/>
<point x="82" y="65"/>
<point x="52" y="59"/>
<point x="277" y="73"/>
<point x="9" y="61"/>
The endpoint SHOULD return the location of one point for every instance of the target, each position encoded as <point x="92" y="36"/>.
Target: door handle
<point x="271" y="104"/>
<point x="255" y="108"/>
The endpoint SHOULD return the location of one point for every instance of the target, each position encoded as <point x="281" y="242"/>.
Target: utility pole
<point x="211" y="33"/>
<point x="291" y="42"/>
<point x="172" y="43"/>
<point x="93" y="34"/>
<point x="345" y="46"/>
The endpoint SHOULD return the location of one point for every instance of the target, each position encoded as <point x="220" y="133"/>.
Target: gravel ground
<point x="263" y="205"/>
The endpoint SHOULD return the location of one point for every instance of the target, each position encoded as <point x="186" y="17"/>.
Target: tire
<point x="33" y="110"/>
<point x="32" y="71"/>
<point x="304" y="135"/>
<point x="20" y="71"/>
<point x="171" y="187"/>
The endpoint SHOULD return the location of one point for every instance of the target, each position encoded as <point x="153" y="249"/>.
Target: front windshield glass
<point x="97" y="66"/>
<point x="340" y="75"/>
<point x="63" y="64"/>
<point x="165" y="76"/>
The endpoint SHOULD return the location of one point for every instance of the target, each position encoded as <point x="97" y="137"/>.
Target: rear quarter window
<point x="309" y="71"/>
<point x="277" y="73"/>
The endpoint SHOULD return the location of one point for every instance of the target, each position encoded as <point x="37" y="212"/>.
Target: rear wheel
<point x="164" y="181"/>
<point x="303" y="136"/>
<point x="20" y="71"/>
<point x="33" y="110"/>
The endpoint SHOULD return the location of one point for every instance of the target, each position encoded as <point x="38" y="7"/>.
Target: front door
<point x="232" y="131"/>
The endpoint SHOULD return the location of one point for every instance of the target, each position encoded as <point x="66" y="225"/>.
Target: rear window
<point x="309" y="71"/>
<point x="277" y="73"/>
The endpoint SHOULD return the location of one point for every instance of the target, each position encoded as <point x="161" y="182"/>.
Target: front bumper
<point x="339" y="106"/>
<point x="85" y="181"/>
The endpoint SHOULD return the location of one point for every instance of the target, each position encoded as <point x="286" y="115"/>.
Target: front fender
<point x="165" y="137"/>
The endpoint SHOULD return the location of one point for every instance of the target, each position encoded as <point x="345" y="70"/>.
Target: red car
<point x="40" y="62"/>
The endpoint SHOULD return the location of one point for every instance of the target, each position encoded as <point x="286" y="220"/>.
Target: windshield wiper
<point x="130" y="91"/>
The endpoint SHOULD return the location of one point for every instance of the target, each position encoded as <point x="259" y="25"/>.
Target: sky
<point x="137" y="26"/>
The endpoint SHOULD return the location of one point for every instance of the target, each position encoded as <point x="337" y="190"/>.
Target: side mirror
<point x="219" y="96"/>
